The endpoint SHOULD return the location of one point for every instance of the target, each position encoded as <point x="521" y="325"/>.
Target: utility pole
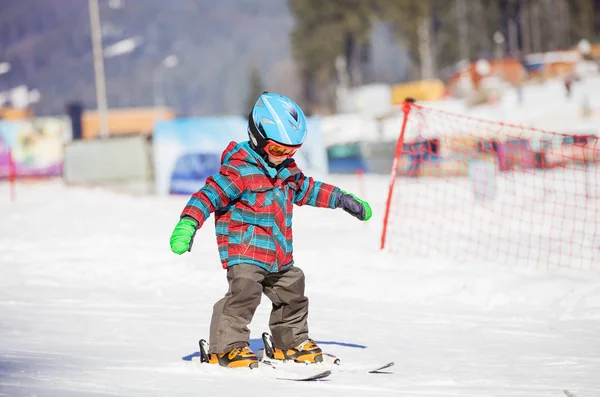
<point x="99" y="67"/>
<point x="424" y="31"/>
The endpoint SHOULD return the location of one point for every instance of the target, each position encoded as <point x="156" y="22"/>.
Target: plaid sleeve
<point x="218" y="191"/>
<point x="315" y="193"/>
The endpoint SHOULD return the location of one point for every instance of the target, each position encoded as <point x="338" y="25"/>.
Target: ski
<point x="265" y="367"/>
<point x="381" y="367"/>
<point x="320" y="375"/>
<point x="299" y="377"/>
<point x="341" y="367"/>
<point x="330" y="361"/>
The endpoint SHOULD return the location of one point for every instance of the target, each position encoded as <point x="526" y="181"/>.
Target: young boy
<point x="252" y="197"/>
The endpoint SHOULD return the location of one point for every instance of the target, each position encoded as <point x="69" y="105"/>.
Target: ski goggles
<point x="278" y="150"/>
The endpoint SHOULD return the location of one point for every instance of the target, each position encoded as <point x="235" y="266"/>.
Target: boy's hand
<point x="183" y="235"/>
<point x="354" y="206"/>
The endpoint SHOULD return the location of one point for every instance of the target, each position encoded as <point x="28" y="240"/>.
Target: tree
<point x="583" y="18"/>
<point x="324" y="31"/>
<point x="412" y="23"/>
<point x="549" y="26"/>
<point x="437" y="34"/>
<point x="429" y="29"/>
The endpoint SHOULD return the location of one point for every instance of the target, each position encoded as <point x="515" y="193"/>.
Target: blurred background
<point x="174" y="81"/>
<point x="212" y="54"/>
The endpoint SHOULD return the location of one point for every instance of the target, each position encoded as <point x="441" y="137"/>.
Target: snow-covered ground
<point x="92" y="302"/>
<point x="543" y="105"/>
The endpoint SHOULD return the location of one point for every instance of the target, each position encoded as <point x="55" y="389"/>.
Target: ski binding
<point x="303" y="376"/>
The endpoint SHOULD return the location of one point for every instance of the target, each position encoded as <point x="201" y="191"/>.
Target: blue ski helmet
<point x="277" y="118"/>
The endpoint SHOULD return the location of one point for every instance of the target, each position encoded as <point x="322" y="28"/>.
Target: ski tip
<point x="324" y="374"/>
<point x="314" y="377"/>
<point x="385" y="366"/>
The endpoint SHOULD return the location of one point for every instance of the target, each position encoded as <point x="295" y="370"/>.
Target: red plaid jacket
<point x="253" y="206"/>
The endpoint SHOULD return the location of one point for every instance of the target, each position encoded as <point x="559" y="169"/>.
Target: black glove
<point x="353" y="205"/>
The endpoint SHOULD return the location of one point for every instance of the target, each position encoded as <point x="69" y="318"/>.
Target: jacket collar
<point x="244" y="152"/>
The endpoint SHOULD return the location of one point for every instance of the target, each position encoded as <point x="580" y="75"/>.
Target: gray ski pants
<point x="233" y="313"/>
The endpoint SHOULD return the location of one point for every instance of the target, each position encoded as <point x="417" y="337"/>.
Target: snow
<point x="539" y="218"/>
<point x="545" y="106"/>
<point x="93" y="303"/>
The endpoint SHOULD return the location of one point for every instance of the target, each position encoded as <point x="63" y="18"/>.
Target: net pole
<point x="406" y="108"/>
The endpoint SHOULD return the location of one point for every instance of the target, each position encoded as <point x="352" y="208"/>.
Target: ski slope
<point x="544" y="105"/>
<point x="93" y="303"/>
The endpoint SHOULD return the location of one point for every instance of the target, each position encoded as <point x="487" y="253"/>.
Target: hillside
<point x="48" y="45"/>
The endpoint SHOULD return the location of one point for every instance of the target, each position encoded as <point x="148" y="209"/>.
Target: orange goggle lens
<point x="277" y="150"/>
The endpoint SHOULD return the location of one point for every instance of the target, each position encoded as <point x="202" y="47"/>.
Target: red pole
<point x="12" y="174"/>
<point x="406" y="107"/>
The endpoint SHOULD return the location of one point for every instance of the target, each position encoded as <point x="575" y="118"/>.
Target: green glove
<point x="183" y="235"/>
<point x="354" y="206"/>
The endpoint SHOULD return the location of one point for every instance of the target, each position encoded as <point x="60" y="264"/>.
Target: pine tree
<point x="582" y="19"/>
<point x="325" y="31"/>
